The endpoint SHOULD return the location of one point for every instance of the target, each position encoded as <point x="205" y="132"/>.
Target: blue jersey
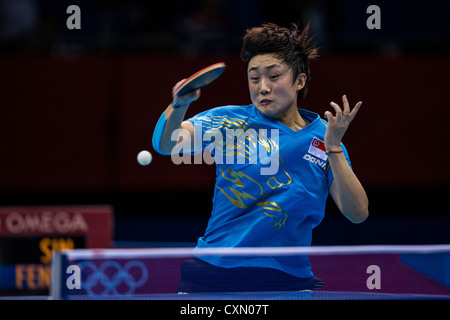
<point x="271" y="186"/>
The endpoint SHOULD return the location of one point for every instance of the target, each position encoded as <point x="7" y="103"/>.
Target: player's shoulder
<point x="230" y="111"/>
<point x="246" y="110"/>
<point x="314" y="117"/>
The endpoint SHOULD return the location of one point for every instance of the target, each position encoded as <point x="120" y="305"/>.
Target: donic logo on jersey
<point x="317" y="153"/>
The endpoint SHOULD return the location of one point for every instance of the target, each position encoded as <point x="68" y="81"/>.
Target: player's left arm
<point x="346" y="189"/>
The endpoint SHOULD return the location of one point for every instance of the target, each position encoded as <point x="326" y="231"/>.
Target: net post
<point x="59" y="260"/>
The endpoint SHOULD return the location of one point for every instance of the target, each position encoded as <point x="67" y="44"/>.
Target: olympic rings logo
<point x="112" y="278"/>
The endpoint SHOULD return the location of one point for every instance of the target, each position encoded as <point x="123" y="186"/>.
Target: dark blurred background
<point x="76" y="107"/>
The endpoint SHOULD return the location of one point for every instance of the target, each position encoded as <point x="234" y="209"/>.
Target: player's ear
<point x="301" y="81"/>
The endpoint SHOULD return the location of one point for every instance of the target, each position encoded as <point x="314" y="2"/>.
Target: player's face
<point x="272" y="89"/>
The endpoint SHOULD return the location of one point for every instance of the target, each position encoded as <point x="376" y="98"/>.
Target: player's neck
<point x="293" y="119"/>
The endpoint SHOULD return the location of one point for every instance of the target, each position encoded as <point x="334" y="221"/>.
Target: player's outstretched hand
<point x="186" y="99"/>
<point x="338" y="123"/>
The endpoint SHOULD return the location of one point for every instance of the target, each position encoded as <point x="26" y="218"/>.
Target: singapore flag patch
<point x="317" y="148"/>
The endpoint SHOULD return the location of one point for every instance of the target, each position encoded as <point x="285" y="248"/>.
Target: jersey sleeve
<point x="211" y="125"/>
<point x="204" y="123"/>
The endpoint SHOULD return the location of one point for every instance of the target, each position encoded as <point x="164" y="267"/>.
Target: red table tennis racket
<point x="200" y="79"/>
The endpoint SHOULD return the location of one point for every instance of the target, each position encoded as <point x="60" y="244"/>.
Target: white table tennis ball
<point x="144" y="158"/>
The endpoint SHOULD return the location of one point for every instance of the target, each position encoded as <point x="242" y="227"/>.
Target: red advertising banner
<point x="95" y="222"/>
<point x="28" y="236"/>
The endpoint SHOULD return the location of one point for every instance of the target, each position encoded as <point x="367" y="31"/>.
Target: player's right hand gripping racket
<point x="199" y="79"/>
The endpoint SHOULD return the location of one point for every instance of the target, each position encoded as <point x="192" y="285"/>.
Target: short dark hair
<point x="292" y="46"/>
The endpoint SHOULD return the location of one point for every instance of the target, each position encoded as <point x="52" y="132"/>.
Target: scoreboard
<point x="28" y="235"/>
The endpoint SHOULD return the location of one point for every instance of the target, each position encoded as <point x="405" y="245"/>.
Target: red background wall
<point x="77" y="124"/>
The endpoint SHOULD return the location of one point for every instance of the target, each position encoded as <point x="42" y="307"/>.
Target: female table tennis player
<point x="280" y="209"/>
